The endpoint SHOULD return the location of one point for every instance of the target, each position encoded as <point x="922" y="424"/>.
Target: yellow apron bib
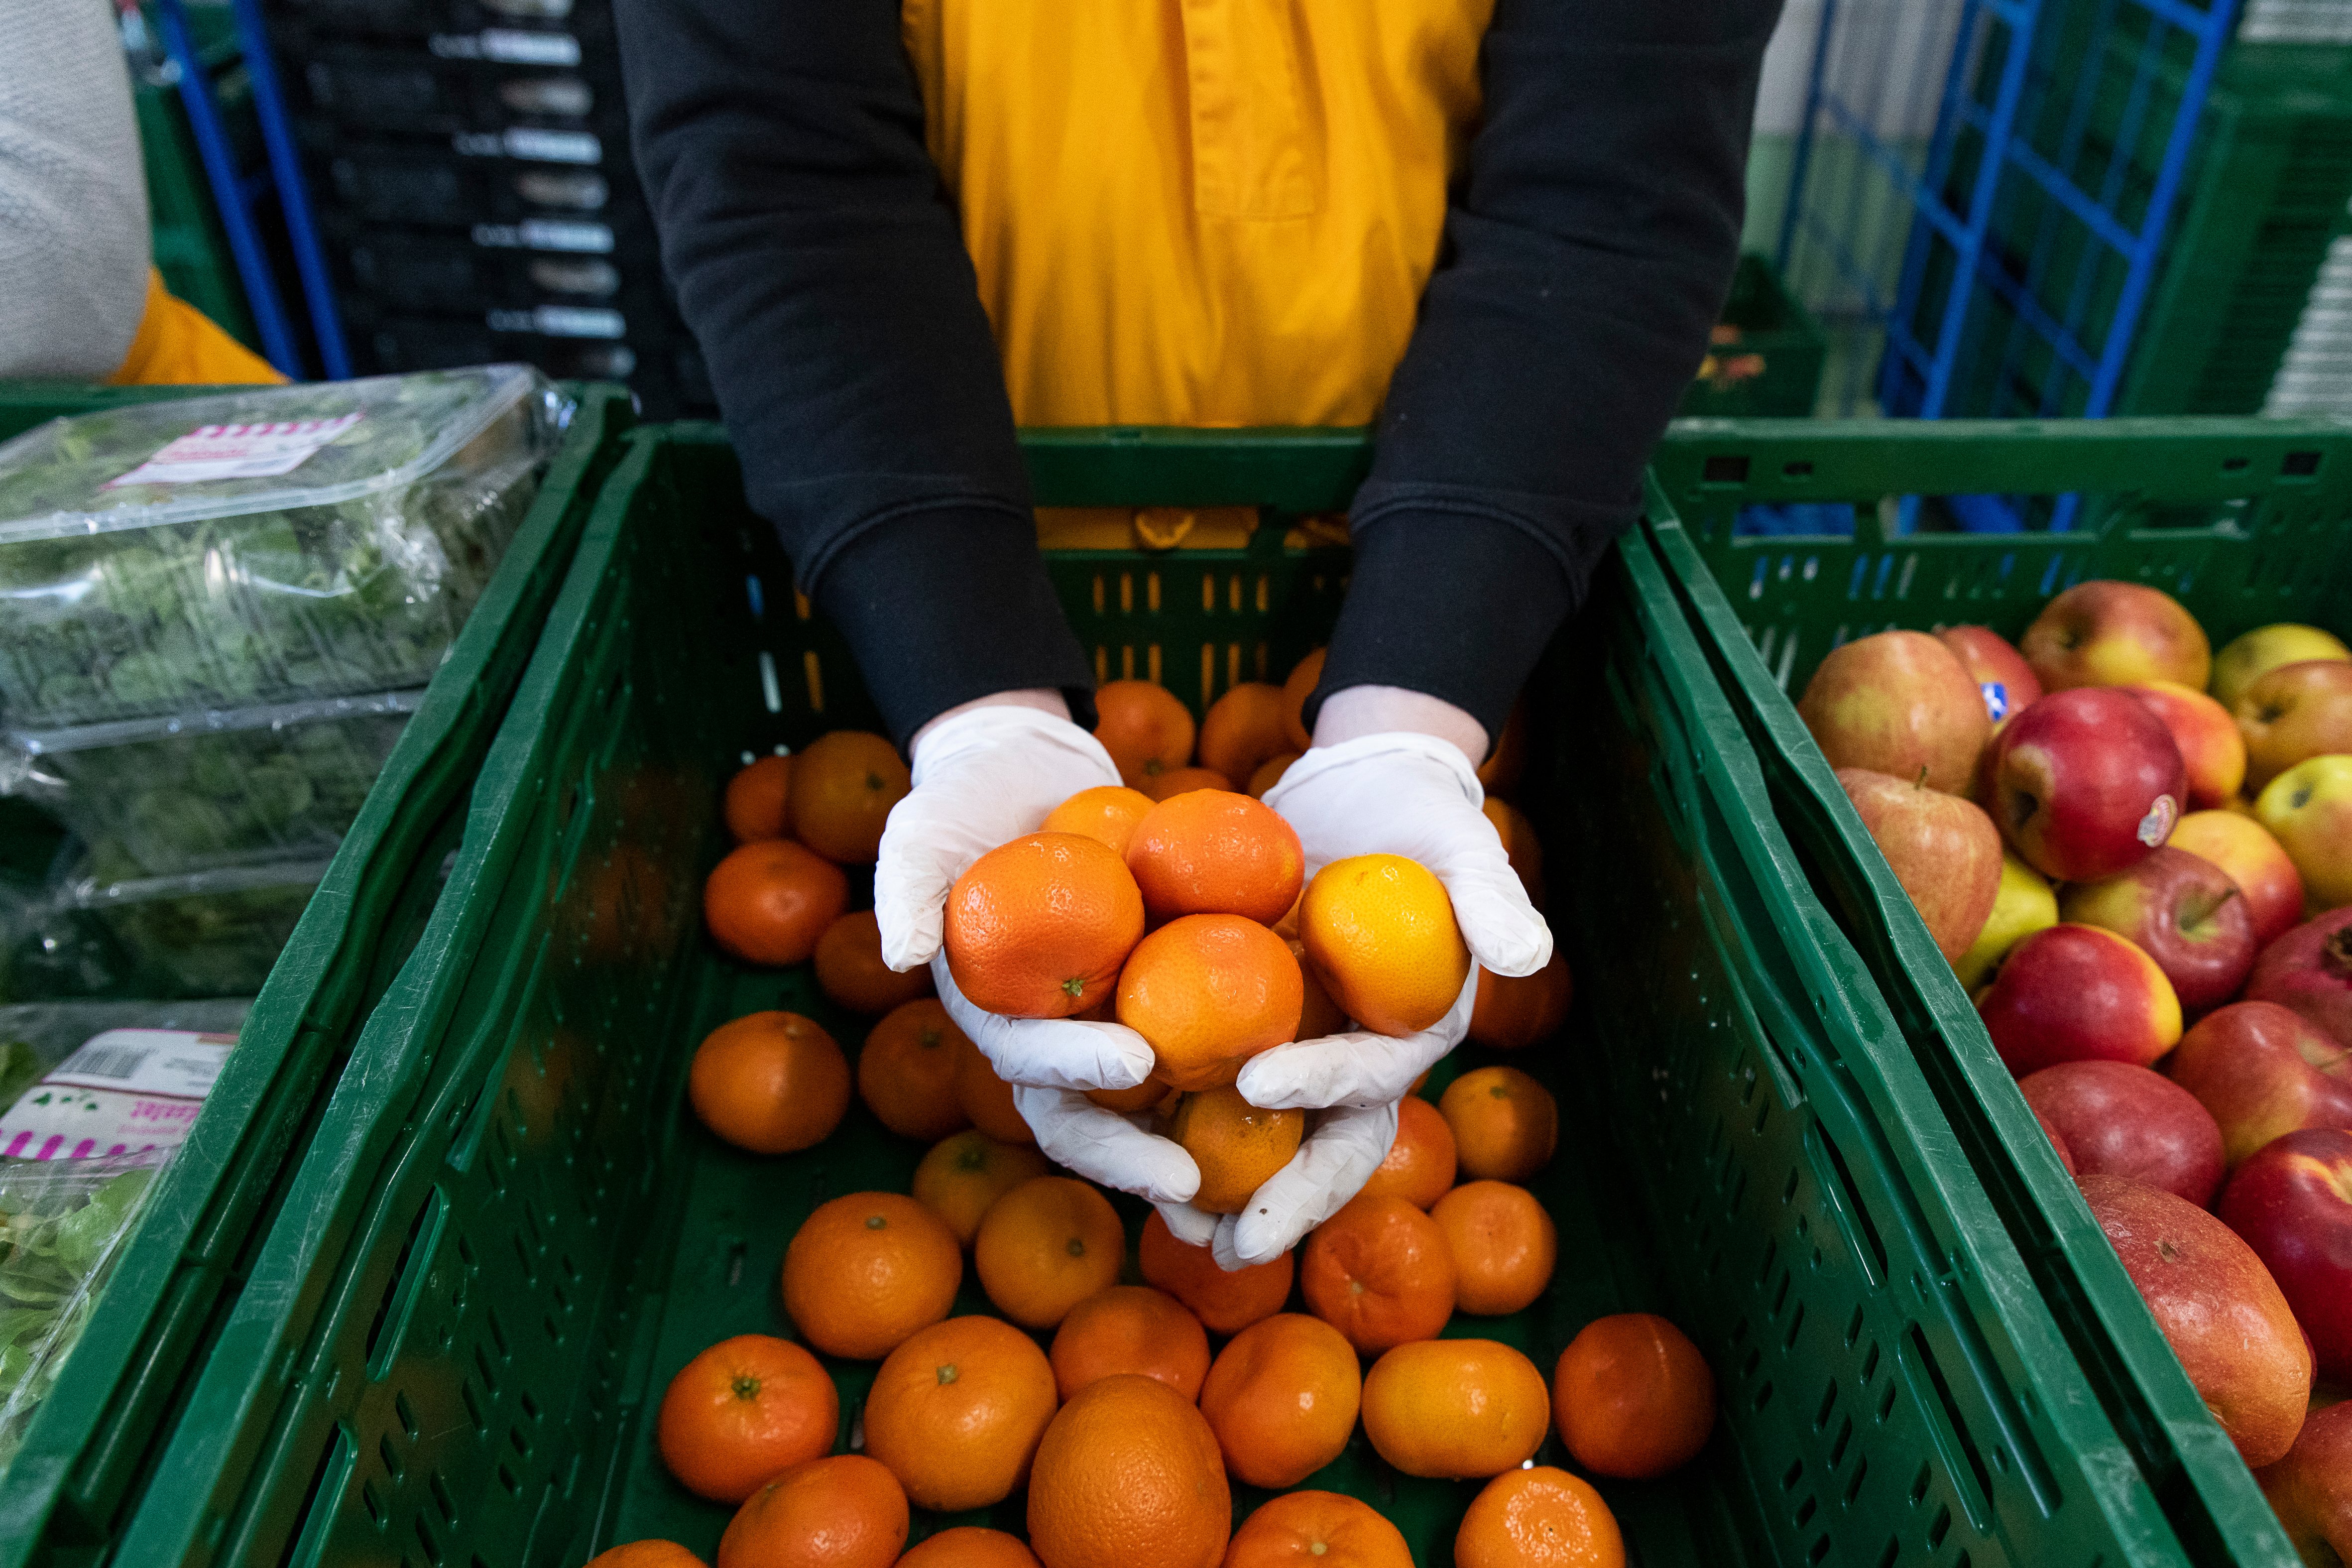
<point x="1198" y="212"/>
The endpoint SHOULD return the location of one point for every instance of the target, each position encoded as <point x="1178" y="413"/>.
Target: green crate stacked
<point x="511" y="1233"/>
<point x="78" y="1464"/>
<point x="2245" y="521"/>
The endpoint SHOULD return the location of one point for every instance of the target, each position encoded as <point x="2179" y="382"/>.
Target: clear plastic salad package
<point x="199" y="933"/>
<point x="80" y="1152"/>
<point x="258" y="545"/>
<point x="185" y="793"/>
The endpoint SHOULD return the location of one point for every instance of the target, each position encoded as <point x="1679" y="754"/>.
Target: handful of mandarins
<point x="1191" y="921"/>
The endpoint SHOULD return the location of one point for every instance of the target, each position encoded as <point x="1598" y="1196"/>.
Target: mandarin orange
<point x="1207" y="993"/>
<point x="1504" y="1247"/>
<point x="1269" y="773"/>
<point x="1319" y="1015"/>
<point x="1504" y="1123"/>
<point x="1144" y="728"/>
<point x="957" y="1410"/>
<point x="970" y="1546"/>
<point x="845" y="1511"/>
<point x="864" y="1272"/>
<point x="770" y="1082"/>
<point x="1130" y="1328"/>
<point x="770" y="900"/>
<point x="1419" y="1166"/>
<point x="1379" y="1272"/>
<point x="1538" y="1517"/>
<point x="1294" y="693"/>
<point x="906" y="1070"/>
<point x="756" y="800"/>
<point x="986" y="1099"/>
<point x="1243" y="729"/>
<point x="747" y="1408"/>
<point x="1107" y="812"/>
<point x="1038" y="928"/>
<point x="1128" y="1476"/>
<point x="1379" y="932"/>
<point x="843" y="785"/>
<point x="1317" y="1529"/>
<point x="1520" y="844"/>
<point x="1184" y="781"/>
<point x="1633" y="1397"/>
<point x="1047" y="1246"/>
<point x="963" y="1175"/>
<point x="1237" y="1145"/>
<point x="1282" y="1399"/>
<point x="1148" y="1095"/>
<point x="646" y="1555"/>
<point x="1215" y="852"/>
<point x="1512" y="1012"/>
<point x="849" y="967"/>
<point x="1225" y="1301"/>
<point x="1456" y="1408"/>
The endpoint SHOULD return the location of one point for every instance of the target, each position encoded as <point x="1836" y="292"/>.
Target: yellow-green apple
<point x="2212" y="749"/>
<point x="2308" y="809"/>
<point x="2085" y="782"/>
<point x="2262" y="1071"/>
<point x="2001" y="673"/>
<point x="2111" y="634"/>
<point x="2247" y="658"/>
<point x="2124" y="1121"/>
<point x="2182" y="911"/>
<point x="2309" y="969"/>
<point x="2292" y="1202"/>
<point x="1944" y="851"/>
<point x="2294" y="712"/>
<point x="2023" y="905"/>
<point x="2057" y="1142"/>
<point x="2244" y="848"/>
<point x="1898" y="702"/>
<point x="2077" y="993"/>
<point x="2219" y="1308"/>
<point x="2311" y="1489"/>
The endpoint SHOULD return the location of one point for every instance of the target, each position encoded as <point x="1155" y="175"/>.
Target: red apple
<point x="2292" y="1202"/>
<point x="2311" y="1489"/>
<point x="2263" y="1072"/>
<point x="2057" y="1140"/>
<point x="2219" y="1308"/>
<point x="1944" y="851"/>
<point x="2124" y="1121"/>
<point x="2076" y="992"/>
<point x="2210" y="747"/>
<point x="2086" y="783"/>
<point x="2255" y="860"/>
<point x="2112" y="634"/>
<point x="2183" y="912"/>
<point x="2310" y="970"/>
<point x="2296" y="711"/>
<point x="2001" y="673"/>
<point x="1898" y="702"/>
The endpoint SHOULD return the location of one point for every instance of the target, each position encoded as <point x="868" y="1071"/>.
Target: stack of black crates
<point x="470" y="162"/>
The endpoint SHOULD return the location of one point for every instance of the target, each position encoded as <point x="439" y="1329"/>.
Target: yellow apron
<point x="1198" y="212"/>
<point x="179" y="345"/>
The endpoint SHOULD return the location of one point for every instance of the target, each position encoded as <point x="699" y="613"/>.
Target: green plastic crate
<point x="509" y="1232"/>
<point x="1773" y="329"/>
<point x="2245" y="521"/>
<point x="92" y="1450"/>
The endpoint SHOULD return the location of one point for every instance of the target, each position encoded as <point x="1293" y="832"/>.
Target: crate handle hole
<point x="1800" y="469"/>
<point x="1725" y="470"/>
<point x="2234" y="465"/>
<point x="2299" y="465"/>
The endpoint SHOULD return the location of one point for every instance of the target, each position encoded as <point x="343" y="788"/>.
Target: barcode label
<point x="109" y="1061"/>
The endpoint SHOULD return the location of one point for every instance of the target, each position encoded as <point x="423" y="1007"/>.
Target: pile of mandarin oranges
<point x="1126" y="1391"/>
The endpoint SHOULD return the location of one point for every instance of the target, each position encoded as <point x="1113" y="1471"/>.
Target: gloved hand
<point x="980" y="778"/>
<point x="1395" y="793"/>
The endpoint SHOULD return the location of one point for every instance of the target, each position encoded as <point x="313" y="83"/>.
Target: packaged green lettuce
<point x="260" y="545"/>
<point x="223" y="787"/>
<point x="199" y="933"/>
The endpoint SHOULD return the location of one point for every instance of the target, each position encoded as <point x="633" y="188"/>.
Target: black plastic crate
<point x="588" y="20"/>
<point x="406" y="89"/>
<point x="445" y="186"/>
<point x="405" y="271"/>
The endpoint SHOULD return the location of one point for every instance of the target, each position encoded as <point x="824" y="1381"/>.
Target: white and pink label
<point x="126" y="1090"/>
<point x="238" y="451"/>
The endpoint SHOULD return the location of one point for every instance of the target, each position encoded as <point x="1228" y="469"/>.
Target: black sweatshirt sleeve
<point x="820" y="265"/>
<point x="1588" y="252"/>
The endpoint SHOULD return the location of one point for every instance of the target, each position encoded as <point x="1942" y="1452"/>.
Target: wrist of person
<point x="1043" y="698"/>
<point x="1357" y="710"/>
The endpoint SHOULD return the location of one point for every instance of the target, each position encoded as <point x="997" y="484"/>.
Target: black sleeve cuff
<point x="948" y="605"/>
<point x="1453" y="595"/>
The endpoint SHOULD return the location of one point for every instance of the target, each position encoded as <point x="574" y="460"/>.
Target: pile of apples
<point x="2137" y="856"/>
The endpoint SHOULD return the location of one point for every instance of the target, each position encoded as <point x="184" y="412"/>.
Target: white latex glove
<point x="1395" y="793"/>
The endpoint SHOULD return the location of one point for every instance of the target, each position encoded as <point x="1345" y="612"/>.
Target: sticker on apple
<point x="2157" y="825"/>
<point x="1996" y="699"/>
